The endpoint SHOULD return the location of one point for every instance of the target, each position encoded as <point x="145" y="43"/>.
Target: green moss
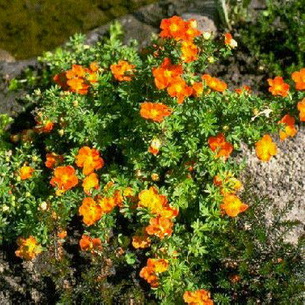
<point x="29" y="27"/>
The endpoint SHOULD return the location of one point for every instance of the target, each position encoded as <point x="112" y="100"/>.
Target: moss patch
<point x="29" y="27"/>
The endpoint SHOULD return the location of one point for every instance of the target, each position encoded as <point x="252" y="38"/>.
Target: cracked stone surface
<point x="282" y="179"/>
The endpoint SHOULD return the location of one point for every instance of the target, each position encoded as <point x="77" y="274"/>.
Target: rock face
<point x="281" y="179"/>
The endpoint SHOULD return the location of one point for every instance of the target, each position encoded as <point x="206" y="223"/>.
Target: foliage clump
<point x="125" y="184"/>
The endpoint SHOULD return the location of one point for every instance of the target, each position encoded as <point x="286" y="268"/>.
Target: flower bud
<point x="211" y="59"/>
<point x="207" y="35"/>
<point x="155" y="177"/>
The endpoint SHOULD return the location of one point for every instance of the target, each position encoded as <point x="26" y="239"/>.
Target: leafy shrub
<point x="276" y="36"/>
<point x="126" y="181"/>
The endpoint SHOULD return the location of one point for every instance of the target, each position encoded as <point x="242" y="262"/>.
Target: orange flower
<point x="62" y="234"/>
<point x="64" y="178"/>
<point x="232" y="205"/>
<point x="78" y="79"/>
<point x="154" y="111"/>
<point x="44" y="127"/>
<point x="243" y="89"/>
<point x="154" y="266"/>
<point x="198" y="297"/>
<point x="189" y="51"/>
<point x="214" y="83"/>
<point x="53" y="160"/>
<point x="197" y="89"/>
<point x="278" y="86"/>
<point x="289" y="129"/>
<point x="149" y="275"/>
<point x="141" y="241"/>
<point x="87" y="243"/>
<point x="122" y="71"/>
<point x="90" y="182"/>
<point x="94" y="66"/>
<point x="168" y="212"/>
<point x="152" y="200"/>
<point x="229" y="41"/>
<point x="91" y="211"/>
<point x="219" y="145"/>
<point x="154" y="146"/>
<point x="89" y="159"/>
<point x="175" y="27"/>
<point x="61" y="80"/>
<point x="78" y="85"/>
<point x="159" y="265"/>
<point x="26" y="172"/>
<point x="165" y="74"/>
<point x="179" y="89"/>
<point x="107" y="204"/>
<point x="28" y="248"/>
<point x="301" y="108"/>
<point x="265" y="148"/>
<point x="76" y="71"/>
<point x="128" y="192"/>
<point x="299" y="78"/>
<point x="160" y="227"/>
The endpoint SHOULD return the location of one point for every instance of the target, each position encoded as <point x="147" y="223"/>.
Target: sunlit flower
<point x="53" y="159"/>
<point x="232" y="205"/>
<point x="29" y="248"/>
<point x="64" y="178"/>
<point x="198" y="297"/>
<point x="122" y="71"/>
<point x="179" y="89"/>
<point x="301" y="108"/>
<point x="90" y="182"/>
<point x="91" y="211"/>
<point x="278" y="86"/>
<point x="107" y="204"/>
<point x="166" y="73"/>
<point x="78" y="79"/>
<point x="219" y="145"/>
<point x="189" y="51"/>
<point x="160" y="226"/>
<point x="197" y="89"/>
<point x="154" y="267"/>
<point x="89" y="159"/>
<point x="148" y="274"/>
<point x="44" y="127"/>
<point x="229" y="41"/>
<point x="299" y="78"/>
<point x="152" y="200"/>
<point x="214" y="83"/>
<point x="87" y="243"/>
<point x="265" y="148"/>
<point x="154" y="111"/>
<point x="289" y="128"/>
<point x="243" y="89"/>
<point x="26" y="172"/>
<point x="141" y="241"/>
<point x="62" y="234"/>
<point x="175" y="27"/>
<point x="154" y="146"/>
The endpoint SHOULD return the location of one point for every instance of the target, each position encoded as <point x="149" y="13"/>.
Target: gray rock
<point x="204" y="23"/>
<point x="282" y="178"/>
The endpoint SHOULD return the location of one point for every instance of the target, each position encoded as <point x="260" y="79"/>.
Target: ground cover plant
<point x="275" y="36"/>
<point x="124" y="189"/>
